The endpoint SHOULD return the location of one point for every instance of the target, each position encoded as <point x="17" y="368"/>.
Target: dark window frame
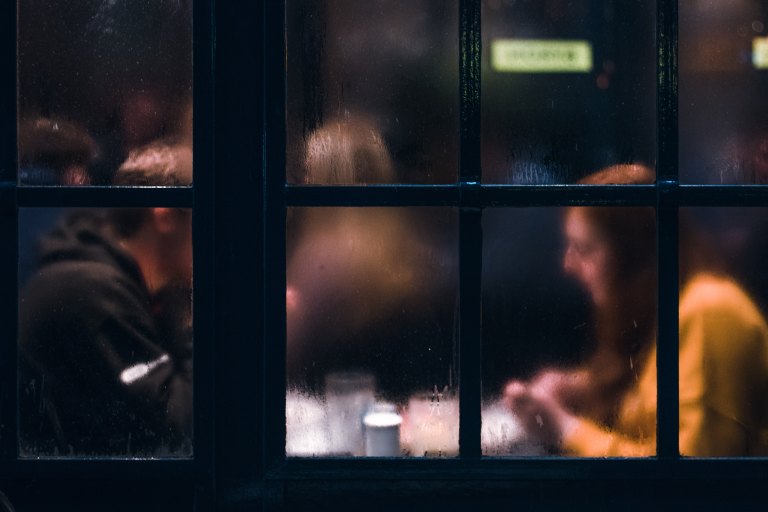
<point x="239" y="206"/>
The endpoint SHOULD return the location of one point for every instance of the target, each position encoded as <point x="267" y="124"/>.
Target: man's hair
<point x="621" y="174"/>
<point x="346" y="152"/>
<point x="631" y="231"/>
<point x="160" y="163"/>
<point x="56" y="144"/>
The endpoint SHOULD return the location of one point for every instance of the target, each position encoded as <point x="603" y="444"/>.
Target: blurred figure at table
<point x="105" y="336"/>
<point x="54" y="152"/>
<point x="359" y="280"/>
<point x="607" y="407"/>
<point x="347" y="151"/>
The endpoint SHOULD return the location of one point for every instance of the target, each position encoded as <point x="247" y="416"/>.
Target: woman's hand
<point x="544" y="419"/>
<point x="569" y="388"/>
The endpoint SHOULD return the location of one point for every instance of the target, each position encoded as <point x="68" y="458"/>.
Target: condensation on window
<point x="569" y="327"/>
<point x="105" y="92"/>
<point x="105" y="332"/>
<point x="372" y="91"/>
<point x="567" y="88"/>
<point x="723" y="75"/>
<point x="371" y="303"/>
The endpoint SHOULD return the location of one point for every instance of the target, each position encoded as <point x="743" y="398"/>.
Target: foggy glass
<point x="105" y="332"/>
<point x="723" y="75"/>
<point x="570" y="317"/>
<point x="372" y="328"/>
<point x="372" y="91"/>
<point x="567" y="88"/>
<point x="105" y="92"/>
<point x="723" y="332"/>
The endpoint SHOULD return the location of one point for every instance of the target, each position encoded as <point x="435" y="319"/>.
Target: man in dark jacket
<point x="106" y="339"/>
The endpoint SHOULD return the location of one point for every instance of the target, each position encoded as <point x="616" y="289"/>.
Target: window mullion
<point x="667" y="343"/>
<point x="8" y="232"/>
<point x="9" y="319"/>
<point x="470" y="234"/>
<point x="470" y="52"/>
<point x="470" y="330"/>
<point x="273" y="340"/>
<point x="667" y="218"/>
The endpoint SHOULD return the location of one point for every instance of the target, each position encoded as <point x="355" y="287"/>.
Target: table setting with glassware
<point x="350" y="419"/>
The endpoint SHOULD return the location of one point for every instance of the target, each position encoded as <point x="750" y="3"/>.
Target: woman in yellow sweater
<point x="608" y="406"/>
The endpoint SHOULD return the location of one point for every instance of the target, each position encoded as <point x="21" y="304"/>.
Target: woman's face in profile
<point x="588" y="256"/>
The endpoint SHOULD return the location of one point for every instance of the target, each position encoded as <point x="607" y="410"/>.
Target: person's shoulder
<point x="714" y="291"/>
<point x="720" y="297"/>
<point x="75" y="282"/>
<point x="75" y="274"/>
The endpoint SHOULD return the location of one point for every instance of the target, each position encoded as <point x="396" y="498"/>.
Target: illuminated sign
<point x="541" y="56"/>
<point x="760" y="52"/>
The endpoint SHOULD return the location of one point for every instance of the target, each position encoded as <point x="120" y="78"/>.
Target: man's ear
<point x="164" y="220"/>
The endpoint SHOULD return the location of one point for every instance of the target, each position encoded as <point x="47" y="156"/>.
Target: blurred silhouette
<point x="105" y="336"/>
<point x="121" y="70"/>
<point x="361" y="282"/>
<point x="160" y="163"/>
<point x="347" y="152"/>
<point x="607" y="407"/>
<point x="54" y="152"/>
<point x="392" y="62"/>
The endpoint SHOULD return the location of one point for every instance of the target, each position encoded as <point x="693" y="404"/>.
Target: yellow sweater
<point x="723" y="383"/>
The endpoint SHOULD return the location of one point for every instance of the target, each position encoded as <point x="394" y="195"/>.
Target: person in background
<point x="347" y="151"/>
<point x="54" y="152"/>
<point x="355" y="276"/>
<point x="161" y="163"/>
<point x="166" y="161"/>
<point x="608" y="406"/>
<point x="105" y="336"/>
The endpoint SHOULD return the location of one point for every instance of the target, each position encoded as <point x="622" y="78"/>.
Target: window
<point x="104" y="98"/>
<point x="533" y="175"/>
<point x="248" y="185"/>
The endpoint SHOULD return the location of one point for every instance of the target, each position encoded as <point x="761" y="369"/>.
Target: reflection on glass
<point x="723" y="78"/>
<point x="105" y="85"/>
<point x="105" y="332"/>
<point x="569" y="325"/>
<point x="367" y="79"/>
<point x="723" y="332"/>
<point x="568" y="88"/>
<point x="371" y="309"/>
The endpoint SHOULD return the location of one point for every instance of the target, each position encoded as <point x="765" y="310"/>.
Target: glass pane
<point x="569" y="325"/>
<point x="723" y="75"/>
<point x="372" y="91"/>
<point x="105" y="92"/>
<point x="105" y="332"/>
<point x="723" y="332"/>
<point x="568" y="87"/>
<point x="372" y="324"/>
